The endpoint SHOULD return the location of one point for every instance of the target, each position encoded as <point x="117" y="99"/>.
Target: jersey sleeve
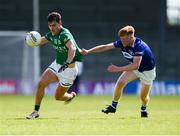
<point x="65" y="37"/>
<point x="117" y="44"/>
<point x="139" y="51"/>
<point x="47" y="36"/>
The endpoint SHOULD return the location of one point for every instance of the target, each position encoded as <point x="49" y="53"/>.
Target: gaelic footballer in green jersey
<point x="59" y="44"/>
<point x="64" y="68"/>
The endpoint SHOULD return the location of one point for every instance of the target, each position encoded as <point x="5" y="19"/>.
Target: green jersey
<point x="59" y="44"/>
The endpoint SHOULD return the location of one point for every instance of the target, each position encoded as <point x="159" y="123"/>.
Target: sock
<point x="114" y="104"/>
<point x="143" y="108"/>
<point x="36" y="107"/>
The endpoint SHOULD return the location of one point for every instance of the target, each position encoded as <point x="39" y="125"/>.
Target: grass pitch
<point x="83" y="116"/>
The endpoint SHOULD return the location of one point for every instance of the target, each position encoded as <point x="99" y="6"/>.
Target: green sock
<point x="36" y="107"/>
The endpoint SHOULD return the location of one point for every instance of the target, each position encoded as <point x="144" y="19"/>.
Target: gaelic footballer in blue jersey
<point x="142" y="66"/>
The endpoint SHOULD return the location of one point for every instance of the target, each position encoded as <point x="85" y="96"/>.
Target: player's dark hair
<point x="127" y="30"/>
<point x="54" y="16"/>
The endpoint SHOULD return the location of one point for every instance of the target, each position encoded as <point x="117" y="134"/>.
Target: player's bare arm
<point x="97" y="49"/>
<point x="71" y="54"/>
<point x="133" y="66"/>
<point x="71" y="51"/>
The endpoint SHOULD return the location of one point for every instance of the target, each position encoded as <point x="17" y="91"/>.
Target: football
<point x="33" y="38"/>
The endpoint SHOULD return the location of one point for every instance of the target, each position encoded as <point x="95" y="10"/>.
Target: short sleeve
<point x="117" y="44"/>
<point x="65" y="37"/>
<point x="47" y="36"/>
<point x="139" y="51"/>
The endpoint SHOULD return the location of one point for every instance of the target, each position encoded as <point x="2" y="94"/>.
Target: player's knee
<point x="122" y="82"/>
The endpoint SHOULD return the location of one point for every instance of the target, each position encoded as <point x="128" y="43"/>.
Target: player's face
<point x="54" y="27"/>
<point x="127" y="40"/>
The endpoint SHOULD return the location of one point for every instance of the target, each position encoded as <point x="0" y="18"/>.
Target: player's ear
<point x="60" y="22"/>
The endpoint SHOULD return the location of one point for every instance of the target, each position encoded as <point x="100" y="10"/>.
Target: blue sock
<point x="143" y="108"/>
<point x="114" y="104"/>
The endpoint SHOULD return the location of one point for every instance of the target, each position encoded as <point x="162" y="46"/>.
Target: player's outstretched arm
<point x="43" y="41"/>
<point x="97" y="49"/>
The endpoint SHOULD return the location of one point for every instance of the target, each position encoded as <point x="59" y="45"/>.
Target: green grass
<point x="83" y="116"/>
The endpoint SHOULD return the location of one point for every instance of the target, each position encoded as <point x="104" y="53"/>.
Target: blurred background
<point x="92" y="22"/>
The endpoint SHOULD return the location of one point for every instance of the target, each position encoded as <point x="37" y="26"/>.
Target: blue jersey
<point x="139" y="48"/>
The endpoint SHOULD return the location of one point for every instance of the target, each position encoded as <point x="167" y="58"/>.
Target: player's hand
<point x="84" y="51"/>
<point x="63" y="67"/>
<point x="113" y="68"/>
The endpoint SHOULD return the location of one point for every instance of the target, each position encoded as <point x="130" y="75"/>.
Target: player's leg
<point x="75" y="86"/>
<point x="47" y="77"/>
<point x="62" y="95"/>
<point x="146" y="79"/>
<point x="125" y="78"/>
<point x="144" y="95"/>
<point x="66" y="79"/>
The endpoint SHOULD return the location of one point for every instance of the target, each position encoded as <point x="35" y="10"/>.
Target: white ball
<point x="33" y="38"/>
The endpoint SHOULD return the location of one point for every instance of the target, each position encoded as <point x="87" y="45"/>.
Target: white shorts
<point x="66" y="77"/>
<point x="146" y="77"/>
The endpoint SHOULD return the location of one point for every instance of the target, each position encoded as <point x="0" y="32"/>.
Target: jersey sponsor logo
<point x="130" y="52"/>
<point x="127" y="55"/>
<point x="57" y="41"/>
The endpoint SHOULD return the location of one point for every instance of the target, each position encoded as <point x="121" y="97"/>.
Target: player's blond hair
<point x="127" y="30"/>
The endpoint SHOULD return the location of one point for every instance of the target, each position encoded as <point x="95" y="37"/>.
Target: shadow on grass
<point x="106" y="118"/>
<point x="128" y="118"/>
<point x="32" y="119"/>
<point x="56" y="118"/>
